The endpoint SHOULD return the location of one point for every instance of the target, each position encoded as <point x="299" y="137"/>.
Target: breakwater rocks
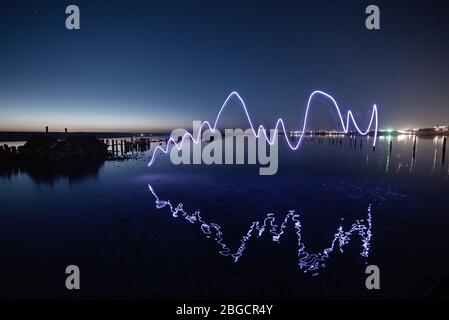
<point x="44" y="149"/>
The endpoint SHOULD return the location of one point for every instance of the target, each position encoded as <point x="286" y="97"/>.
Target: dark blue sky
<point x="155" y="65"/>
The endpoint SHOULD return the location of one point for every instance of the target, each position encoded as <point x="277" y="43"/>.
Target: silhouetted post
<point x="391" y="146"/>
<point x="443" y="156"/>
<point x="113" y="147"/>
<point x="46" y="129"/>
<point x="121" y="146"/>
<point x="414" y="148"/>
<point x="355" y="143"/>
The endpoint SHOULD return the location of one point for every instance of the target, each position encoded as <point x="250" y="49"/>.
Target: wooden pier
<point x="121" y="147"/>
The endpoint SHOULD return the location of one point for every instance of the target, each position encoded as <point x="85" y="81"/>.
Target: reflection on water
<point x="107" y="223"/>
<point x="394" y="155"/>
<point x="47" y="174"/>
<point x="306" y="261"/>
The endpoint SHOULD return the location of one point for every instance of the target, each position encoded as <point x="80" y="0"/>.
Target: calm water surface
<point x="387" y="209"/>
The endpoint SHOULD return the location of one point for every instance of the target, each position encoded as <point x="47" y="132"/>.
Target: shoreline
<point x="13" y="136"/>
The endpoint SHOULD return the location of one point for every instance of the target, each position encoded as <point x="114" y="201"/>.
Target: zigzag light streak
<point x="279" y="124"/>
<point x="306" y="261"/>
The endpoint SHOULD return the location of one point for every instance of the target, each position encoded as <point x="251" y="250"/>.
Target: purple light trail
<point x="279" y="123"/>
<point x="308" y="262"/>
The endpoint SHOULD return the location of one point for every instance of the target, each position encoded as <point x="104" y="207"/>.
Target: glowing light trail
<point x="279" y="124"/>
<point x="306" y="261"/>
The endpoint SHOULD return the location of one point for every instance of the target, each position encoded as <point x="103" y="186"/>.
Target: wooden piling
<point x="414" y="148"/>
<point x="391" y="146"/>
<point x="443" y="155"/>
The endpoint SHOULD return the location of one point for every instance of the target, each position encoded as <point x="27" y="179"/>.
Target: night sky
<point x="157" y="65"/>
